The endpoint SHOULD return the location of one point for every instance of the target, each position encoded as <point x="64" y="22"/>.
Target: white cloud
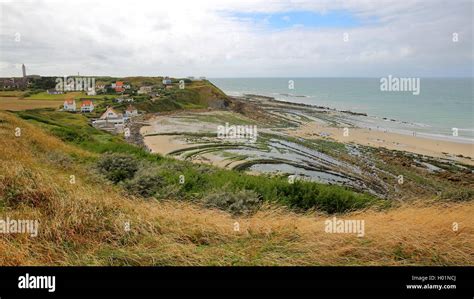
<point x="181" y="38"/>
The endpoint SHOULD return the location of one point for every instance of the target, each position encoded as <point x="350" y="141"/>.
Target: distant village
<point x="111" y="119"/>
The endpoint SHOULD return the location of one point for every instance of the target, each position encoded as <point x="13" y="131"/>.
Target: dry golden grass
<point x="84" y="223"/>
<point x="17" y="104"/>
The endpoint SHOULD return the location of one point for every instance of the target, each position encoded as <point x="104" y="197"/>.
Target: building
<point x="110" y="120"/>
<point x="13" y="83"/>
<point x="131" y="111"/>
<point x="118" y="86"/>
<point x="166" y="81"/>
<point x="111" y="115"/>
<point x="54" y="91"/>
<point x="144" y="90"/>
<point x="87" y="105"/>
<point x="69" y="105"/>
<point x="91" y="92"/>
<point x="127" y="100"/>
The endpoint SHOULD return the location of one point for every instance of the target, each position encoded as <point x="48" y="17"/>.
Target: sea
<point x="443" y="109"/>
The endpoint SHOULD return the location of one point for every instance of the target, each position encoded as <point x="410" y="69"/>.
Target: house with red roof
<point x="87" y="105"/>
<point x="70" y="105"/>
<point x="118" y="86"/>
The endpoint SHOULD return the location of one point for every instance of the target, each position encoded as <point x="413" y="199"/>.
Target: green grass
<point x="75" y="128"/>
<point x="174" y="99"/>
<point x="58" y="97"/>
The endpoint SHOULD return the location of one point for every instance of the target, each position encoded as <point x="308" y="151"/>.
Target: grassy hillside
<point x="85" y="222"/>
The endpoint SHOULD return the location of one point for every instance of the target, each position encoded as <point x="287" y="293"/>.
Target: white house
<point x="166" y="81"/>
<point x="131" y="111"/>
<point x="144" y="90"/>
<point x="110" y="117"/>
<point x="91" y="92"/>
<point x="110" y="114"/>
<point x="110" y="120"/>
<point x="87" y="106"/>
<point x="69" y="105"/>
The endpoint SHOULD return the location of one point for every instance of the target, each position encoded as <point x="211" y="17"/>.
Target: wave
<point x="293" y="95"/>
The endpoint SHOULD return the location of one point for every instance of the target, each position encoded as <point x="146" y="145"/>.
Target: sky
<point x="219" y="38"/>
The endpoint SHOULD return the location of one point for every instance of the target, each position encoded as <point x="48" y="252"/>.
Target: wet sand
<point x="389" y="140"/>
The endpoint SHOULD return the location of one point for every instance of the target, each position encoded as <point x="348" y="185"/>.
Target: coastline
<point x="421" y="144"/>
<point x="460" y="149"/>
<point x="461" y="152"/>
<point x="365" y="120"/>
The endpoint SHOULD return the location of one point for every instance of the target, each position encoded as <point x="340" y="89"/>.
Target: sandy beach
<point x="389" y="140"/>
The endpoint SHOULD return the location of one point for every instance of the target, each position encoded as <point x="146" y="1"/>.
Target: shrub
<point x="460" y="194"/>
<point x="145" y="183"/>
<point x="331" y="199"/>
<point x="117" y="167"/>
<point x="70" y="135"/>
<point x="240" y="202"/>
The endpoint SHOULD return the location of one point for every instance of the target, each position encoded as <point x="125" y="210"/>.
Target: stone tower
<point x="23" y="68"/>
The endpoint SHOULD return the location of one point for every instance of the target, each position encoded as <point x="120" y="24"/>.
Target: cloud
<point x="181" y="38"/>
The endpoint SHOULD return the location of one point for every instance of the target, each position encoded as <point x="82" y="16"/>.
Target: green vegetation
<point x="118" y="167"/>
<point x="75" y="128"/>
<point x="240" y="202"/>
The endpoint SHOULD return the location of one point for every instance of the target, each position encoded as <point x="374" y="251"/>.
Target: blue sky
<point x="306" y="19"/>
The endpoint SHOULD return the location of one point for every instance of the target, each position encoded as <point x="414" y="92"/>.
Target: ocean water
<point x="441" y="105"/>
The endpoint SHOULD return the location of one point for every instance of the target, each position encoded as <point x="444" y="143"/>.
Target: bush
<point x="118" y="167"/>
<point x="331" y="199"/>
<point x="70" y="135"/>
<point x="145" y="183"/>
<point x="458" y="195"/>
<point x="240" y="202"/>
